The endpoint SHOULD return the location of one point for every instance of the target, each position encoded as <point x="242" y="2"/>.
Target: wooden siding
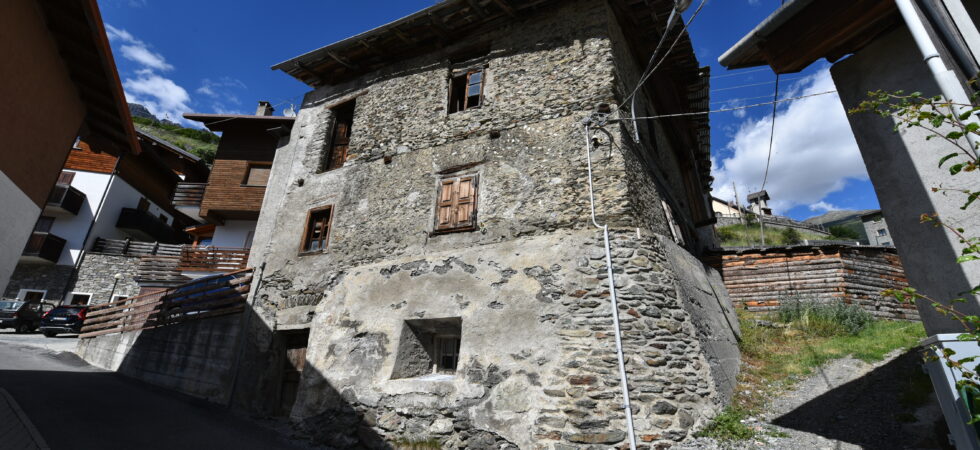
<point x="85" y="158"/>
<point x="762" y="279"/>
<point x="226" y="197"/>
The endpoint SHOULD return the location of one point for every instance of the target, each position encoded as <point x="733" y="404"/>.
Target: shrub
<point x="726" y="234"/>
<point x="791" y="236"/>
<point x="843" y="233"/>
<point x="824" y="319"/>
<point x="728" y="426"/>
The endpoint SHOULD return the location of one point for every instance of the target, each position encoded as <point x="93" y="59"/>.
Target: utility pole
<point x="738" y="206"/>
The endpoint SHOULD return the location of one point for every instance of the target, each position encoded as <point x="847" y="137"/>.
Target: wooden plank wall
<point x="84" y="158"/>
<point x="760" y="279"/>
<point x="225" y="192"/>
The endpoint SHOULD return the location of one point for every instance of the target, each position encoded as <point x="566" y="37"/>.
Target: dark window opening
<point x="428" y="347"/>
<point x="44" y="224"/>
<point x="143" y="205"/>
<point x="456" y="203"/>
<point x="882" y="232"/>
<point x="294" y="345"/>
<point x="257" y="174"/>
<point x="79" y="299"/>
<point x="317" y="233"/>
<point x="466" y="90"/>
<point x="336" y="154"/>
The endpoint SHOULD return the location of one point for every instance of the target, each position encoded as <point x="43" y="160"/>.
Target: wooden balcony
<point x="43" y="247"/>
<point x="146" y="226"/>
<point x="212" y="259"/>
<point x="64" y="199"/>
<point x="189" y="194"/>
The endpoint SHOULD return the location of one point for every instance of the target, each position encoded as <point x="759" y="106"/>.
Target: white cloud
<point x="823" y="206"/>
<point x="164" y="98"/>
<point x="144" y="56"/>
<point x="814" y="152"/>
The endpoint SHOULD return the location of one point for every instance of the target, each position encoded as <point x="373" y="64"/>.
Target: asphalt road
<point x="76" y="406"/>
<point x="59" y="343"/>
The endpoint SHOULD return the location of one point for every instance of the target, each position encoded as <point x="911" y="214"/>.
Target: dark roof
<point x="77" y="28"/>
<point x="804" y="31"/>
<point x="876" y="212"/>
<point x="218" y="122"/>
<point x="167" y="145"/>
<point x="759" y="195"/>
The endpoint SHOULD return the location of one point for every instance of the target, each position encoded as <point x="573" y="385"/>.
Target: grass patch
<point x="748" y="235"/>
<point x="806" y="336"/>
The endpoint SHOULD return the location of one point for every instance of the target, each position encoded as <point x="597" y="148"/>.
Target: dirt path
<point x="849" y="404"/>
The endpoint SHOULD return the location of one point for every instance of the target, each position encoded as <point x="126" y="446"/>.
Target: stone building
<point x="428" y="265"/>
<point x="876" y="229"/>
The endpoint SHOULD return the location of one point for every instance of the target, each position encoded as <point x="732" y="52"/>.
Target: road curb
<point x="24" y="420"/>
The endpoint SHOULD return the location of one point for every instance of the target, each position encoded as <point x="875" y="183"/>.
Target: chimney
<point x="264" y="109"/>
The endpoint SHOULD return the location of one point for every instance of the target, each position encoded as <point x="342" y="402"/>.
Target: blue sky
<point x="213" y="56"/>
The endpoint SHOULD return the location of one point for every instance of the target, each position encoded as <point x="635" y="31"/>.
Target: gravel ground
<point x="847" y="404"/>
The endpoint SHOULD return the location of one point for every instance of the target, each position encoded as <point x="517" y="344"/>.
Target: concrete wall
<point x="121" y="195"/>
<point x="537" y="362"/>
<point x="903" y="167"/>
<point x="234" y="234"/>
<point x="196" y="358"/>
<point x="18" y="217"/>
<point x="874" y="226"/>
<point x="761" y="279"/>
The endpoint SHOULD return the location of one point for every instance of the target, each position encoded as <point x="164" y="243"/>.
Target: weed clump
<point x="824" y="319"/>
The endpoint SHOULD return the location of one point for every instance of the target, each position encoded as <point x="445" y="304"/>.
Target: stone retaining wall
<point x="760" y="279"/>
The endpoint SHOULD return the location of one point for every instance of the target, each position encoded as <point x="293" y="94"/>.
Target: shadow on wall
<point x="893" y="406"/>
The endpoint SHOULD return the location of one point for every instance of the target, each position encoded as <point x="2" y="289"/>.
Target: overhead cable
<point x="753" y="84"/>
<point x="700" y="113"/>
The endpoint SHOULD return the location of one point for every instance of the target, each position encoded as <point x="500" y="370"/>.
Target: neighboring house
<point x="726" y="208"/>
<point x="427" y="261"/>
<point x="59" y="83"/>
<point x="876" y="229"/>
<point x="100" y="196"/>
<point x="872" y="47"/>
<point x="228" y="203"/>
<point x="759" y="203"/>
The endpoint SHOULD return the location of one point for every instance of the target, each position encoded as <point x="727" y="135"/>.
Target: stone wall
<point x="537" y="365"/>
<point x="96" y="275"/>
<point x="759" y="279"/>
<point x="52" y="278"/>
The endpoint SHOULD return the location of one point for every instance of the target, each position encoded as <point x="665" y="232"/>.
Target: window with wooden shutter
<point x="466" y="89"/>
<point x="317" y="233"/>
<point x="257" y="174"/>
<point x="336" y="154"/>
<point x="456" y="203"/>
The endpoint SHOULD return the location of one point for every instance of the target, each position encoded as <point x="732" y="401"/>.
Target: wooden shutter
<point x="66" y="177"/>
<point x="317" y="232"/>
<point x="341" y="143"/>
<point x="456" y="203"/>
<point x="258" y="175"/>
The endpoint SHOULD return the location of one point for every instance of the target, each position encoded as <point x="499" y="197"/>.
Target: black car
<point x="63" y="319"/>
<point x="22" y="316"/>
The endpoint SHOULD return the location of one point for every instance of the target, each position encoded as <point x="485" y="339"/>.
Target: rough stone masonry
<point x="524" y="293"/>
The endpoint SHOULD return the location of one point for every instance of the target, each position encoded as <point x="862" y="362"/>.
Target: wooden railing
<point x="212" y="259"/>
<point x="189" y="194"/>
<point x="129" y="247"/>
<point x="206" y="297"/>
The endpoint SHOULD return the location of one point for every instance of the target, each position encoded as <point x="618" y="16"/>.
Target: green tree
<point x="842" y="233"/>
<point x="790" y="236"/>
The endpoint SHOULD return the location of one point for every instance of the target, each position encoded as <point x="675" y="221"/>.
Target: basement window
<point x="428" y="347"/>
<point x="466" y="89"/>
<point x="317" y="232"/>
<point x="456" y="203"/>
<point x="336" y="153"/>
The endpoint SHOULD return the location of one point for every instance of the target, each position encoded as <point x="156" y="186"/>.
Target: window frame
<point x="71" y="297"/>
<point x="304" y="242"/>
<point x="457" y="177"/>
<point x="466" y="73"/>
<point x="437" y="341"/>
<point x="343" y="113"/>
<point x="248" y="173"/>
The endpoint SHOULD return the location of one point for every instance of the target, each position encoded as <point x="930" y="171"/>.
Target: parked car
<point x="63" y="319"/>
<point x="22" y="316"/>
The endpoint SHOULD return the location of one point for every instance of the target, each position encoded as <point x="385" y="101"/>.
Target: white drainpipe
<point x="612" y="297"/>
<point x="948" y="83"/>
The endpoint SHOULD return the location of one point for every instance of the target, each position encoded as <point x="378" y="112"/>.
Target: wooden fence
<point x="128" y="247"/>
<point x="213" y="258"/>
<point x="206" y="297"/>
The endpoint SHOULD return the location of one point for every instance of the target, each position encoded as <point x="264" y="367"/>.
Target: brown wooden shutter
<point x="446" y="207"/>
<point x="341" y="143"/>
<point x="465" y="201"/>
<point x="456" y="203"/>
<point x="66" y="177"/>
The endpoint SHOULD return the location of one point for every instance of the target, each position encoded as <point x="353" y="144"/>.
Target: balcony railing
<point x="212" y="259"/>
<point x="146" y="226"/>
<point x="44" y="246"/>
<point x="189" y="194"/>
<point x="65" y="198"/>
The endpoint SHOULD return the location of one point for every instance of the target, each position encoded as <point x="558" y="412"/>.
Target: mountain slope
<point x="847" y="218"/>
<point x="202" y="143"/>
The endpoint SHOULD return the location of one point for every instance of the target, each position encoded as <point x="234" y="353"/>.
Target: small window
<point x="886" y="243"/>
<point x="143" y="205"/>
<point x="79" y="299"/>
<point x="317" y="233"/>
<point x="466" y="90"/>
<point x="163" y="218"/>
<point x="336" y="153"/>
<point x="428" y="347"/>
<point x="882" y="232"/>
<point x="257" y="174"/>
<point x="456" y="203"/>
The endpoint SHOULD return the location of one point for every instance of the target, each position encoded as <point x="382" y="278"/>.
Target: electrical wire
<point x="754" y="84"/>
<point x="715" y="77"/>
<point x="772" y="132"/>
<point x="646" y="76"/>
<point x="661" y="116"/>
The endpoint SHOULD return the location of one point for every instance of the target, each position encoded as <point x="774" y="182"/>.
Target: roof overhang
<point x="156" y="141"/>
<point x="219" y="122"/>
<point x="77" y="28"/>
<point x="803" y="31"/>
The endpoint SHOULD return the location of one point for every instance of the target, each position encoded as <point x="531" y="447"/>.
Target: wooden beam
<point x="401" y="35"/>
<point x="506" y="7"/>
<point x="438" y="26"/>
<point x="477" y="9"/>
<point x="342" y="61"/>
